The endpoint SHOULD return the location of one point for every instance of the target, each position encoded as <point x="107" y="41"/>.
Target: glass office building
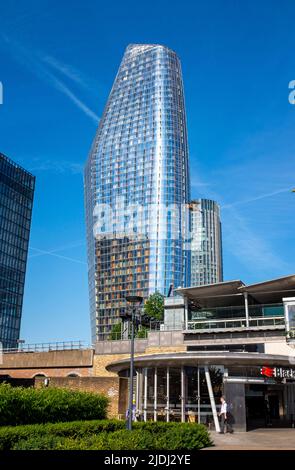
<point x="16" y="201"/>
<point x="137" y="186"/>
<point x="206" y="244"/>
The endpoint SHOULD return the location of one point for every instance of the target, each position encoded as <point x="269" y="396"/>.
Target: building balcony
<point x="235" y="324"/>
<point x="234" y="317"/>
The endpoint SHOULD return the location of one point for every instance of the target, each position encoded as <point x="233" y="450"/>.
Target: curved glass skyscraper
<point x="137" y="186"/>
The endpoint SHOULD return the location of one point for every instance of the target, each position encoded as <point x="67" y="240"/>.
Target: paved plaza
<point x="260" y="439"/>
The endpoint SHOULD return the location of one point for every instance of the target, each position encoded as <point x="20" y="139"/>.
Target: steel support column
<point x="212" y="400"/>
<point x="145" y="395"/>
<point x="155" y="394"/>
<point x="168" y="395"/>
<point x="182" y="395"/>
<point x="246" y="308"/>
<point x="137" y="392"/>
<point x="199" y="396"/>
<point x="185" y="313"/>
<point x="139" y="404"/>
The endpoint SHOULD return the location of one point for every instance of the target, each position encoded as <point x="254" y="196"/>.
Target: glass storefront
<point x="185" y="393"/>
<point x="174" y="394"/>
<point x="178" y="393"/>
<point x="150" y="392"/>
<point x="198" y="406"/>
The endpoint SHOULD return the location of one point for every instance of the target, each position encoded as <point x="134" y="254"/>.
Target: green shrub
<point x="126" y="440"/>
<point x="179" y="436"/>
<point x="37" y="443"/>
<point x="10" y="435"/>
<point x="186" y="437"/>
<point x="105" y="435"/>
<point x="20" y="405"/>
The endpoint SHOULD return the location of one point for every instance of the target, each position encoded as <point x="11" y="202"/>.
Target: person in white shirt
<point x="224" y="417"/>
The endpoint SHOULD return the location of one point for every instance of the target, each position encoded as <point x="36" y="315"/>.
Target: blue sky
<point x="58" y="60"/>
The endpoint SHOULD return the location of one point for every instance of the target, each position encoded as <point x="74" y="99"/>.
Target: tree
<point x="154" y="306"/>
<point x="141" y="332"/>
<point x="116" y="331"/>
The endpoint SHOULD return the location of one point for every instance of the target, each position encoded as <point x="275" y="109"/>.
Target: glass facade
<point x="235" y="317"/>
<point x="289" y="311"/>
<point x="16" y="202"/>
<point x="176" y="393"/>
<point x="191" y="393"/>
<point x="216" y="313"/>
<point x="137" y="168"/>
<point x="206" y="245"/>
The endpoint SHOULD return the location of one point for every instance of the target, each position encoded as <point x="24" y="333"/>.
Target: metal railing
<point x="256" y="310"/>
<point x="122" y="336"/>
<point x="236" y="323"/>
<point x="172" y="326"/>
<point x="45" y="347"/>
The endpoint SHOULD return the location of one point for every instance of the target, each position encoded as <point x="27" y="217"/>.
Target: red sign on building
<point x="278" y="372"/>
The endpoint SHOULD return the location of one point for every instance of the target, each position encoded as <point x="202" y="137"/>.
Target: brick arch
<point x="40" y="374"/>
<point x="73" y="374"/>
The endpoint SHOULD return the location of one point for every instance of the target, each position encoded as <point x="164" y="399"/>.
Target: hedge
<point x="105" y="435"/>
<point x="19" y="405"/>
<point x="9" y="435"/>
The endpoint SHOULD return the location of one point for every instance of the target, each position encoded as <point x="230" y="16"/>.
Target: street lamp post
<point x="135" y="300"/>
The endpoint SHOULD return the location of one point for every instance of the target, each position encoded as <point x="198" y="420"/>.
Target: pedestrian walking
<point x="224" y="417"/>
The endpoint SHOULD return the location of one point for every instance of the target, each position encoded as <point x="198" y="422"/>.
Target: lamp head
<point x="134" y="299"/>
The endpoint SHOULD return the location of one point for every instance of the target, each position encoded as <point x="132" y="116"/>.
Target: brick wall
<point x="50" y="363"/>
<point x="49" y="359"/>
<point x="108" y="386"/>
<point x="100" y="363"/>
<point x="47" y="371"/>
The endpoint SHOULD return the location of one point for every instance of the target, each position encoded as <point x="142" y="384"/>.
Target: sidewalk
<point x="260" y="439"/>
